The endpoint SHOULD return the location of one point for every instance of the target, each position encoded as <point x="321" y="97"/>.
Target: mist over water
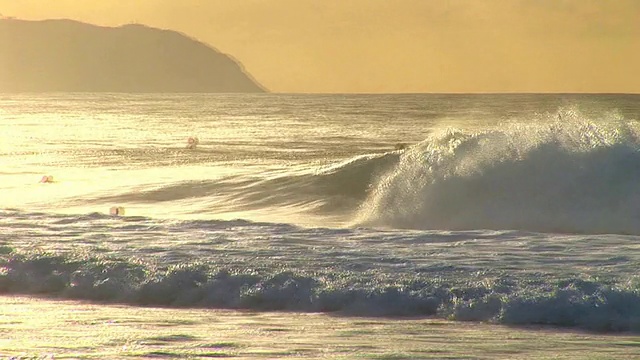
<point x="518" y="209"/>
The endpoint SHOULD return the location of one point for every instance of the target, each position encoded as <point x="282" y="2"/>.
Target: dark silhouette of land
<point x="65" y="55"/>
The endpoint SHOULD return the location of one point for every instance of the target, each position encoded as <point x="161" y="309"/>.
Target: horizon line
<point x="324" y="93"/>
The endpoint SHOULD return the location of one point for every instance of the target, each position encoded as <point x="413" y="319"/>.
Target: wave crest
<point x="570" y="176"/>
<point x="571" y="302"/>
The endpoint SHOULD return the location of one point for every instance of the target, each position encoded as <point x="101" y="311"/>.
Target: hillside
<point x="65" y="55"/>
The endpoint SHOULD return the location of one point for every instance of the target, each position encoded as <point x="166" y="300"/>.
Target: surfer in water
<point x="192" y="142"/>
<point x="46" y="179"/>
<point x="400" y="146"/>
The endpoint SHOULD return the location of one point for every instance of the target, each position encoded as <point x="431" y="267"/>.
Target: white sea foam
<point x="573" y="176"/>
<point x="503" y="276"/>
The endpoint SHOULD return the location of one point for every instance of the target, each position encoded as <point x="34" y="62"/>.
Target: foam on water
<point x="570" y="176"/>
<point x="506" y="277"/>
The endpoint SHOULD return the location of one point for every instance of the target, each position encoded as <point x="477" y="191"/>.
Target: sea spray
<point x="570" y="176"/>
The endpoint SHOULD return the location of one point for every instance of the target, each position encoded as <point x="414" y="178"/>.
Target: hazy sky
<point x="396" y="45"/>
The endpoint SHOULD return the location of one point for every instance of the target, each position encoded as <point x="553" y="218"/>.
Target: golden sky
<point x="391" y="46"/>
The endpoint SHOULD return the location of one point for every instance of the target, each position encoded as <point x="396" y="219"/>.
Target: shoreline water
<point x="42" y="328"/>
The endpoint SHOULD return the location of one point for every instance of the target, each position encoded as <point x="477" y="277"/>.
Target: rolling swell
<point x="574" y="176"/>
<point x="340" y="187"/>
<point x="328" y="190"/>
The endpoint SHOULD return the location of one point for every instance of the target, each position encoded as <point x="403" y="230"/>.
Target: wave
<point x="590" y="304"/>
<point x="571" y="176"/>
<point x="567" y="176"/>
<point x="338" y="187"/>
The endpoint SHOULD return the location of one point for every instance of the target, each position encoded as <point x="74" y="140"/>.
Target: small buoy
<point x="192" y="142"/>
<point x="116" y="211"/>
<point x="46" y="179"/>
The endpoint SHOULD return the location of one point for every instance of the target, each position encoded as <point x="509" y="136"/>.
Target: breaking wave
<point x="568" y="176"/>
<point x="572" y="176"/>
<point x="589" y="304"/>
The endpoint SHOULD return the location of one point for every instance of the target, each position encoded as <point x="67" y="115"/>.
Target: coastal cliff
<point x="66" y="55"/>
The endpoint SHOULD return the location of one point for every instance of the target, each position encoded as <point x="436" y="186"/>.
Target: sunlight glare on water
<point x="514" y="209"/>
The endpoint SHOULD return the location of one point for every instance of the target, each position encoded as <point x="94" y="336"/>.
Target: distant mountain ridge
<point x="66" y="55"/>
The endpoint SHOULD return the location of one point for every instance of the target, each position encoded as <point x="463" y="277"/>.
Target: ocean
<point x="514" y="209"/>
